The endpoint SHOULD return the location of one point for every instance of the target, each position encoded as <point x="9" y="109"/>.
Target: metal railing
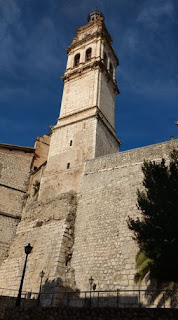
<point x="110" y="298"/>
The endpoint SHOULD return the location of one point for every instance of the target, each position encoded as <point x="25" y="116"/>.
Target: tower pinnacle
<point x="93" y="15"/>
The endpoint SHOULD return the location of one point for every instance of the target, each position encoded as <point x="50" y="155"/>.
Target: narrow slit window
<point x="111" y="69"/>
<point x="105" y="59"/>
<point x="68" y="165"/>
<point x="70" y="143"/>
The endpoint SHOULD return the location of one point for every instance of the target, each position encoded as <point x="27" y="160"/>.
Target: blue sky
<point x="34" y="35"/>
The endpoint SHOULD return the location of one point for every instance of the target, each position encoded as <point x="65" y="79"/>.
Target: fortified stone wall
<point x="103" y="246"/>
<point x="8" y="227"/>
<point x="48" y="226"/>
<point x="15" y="164"/>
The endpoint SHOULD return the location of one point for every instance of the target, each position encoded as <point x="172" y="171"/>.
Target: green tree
<point x="156" y="231"/>
<point x="143" y="264"/>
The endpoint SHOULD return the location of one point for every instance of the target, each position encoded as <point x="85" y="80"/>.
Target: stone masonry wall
<point x="36" y="177"/>
<point x="72" y="101"/>
<point x="8" y="228"/>
<point x="48" y="226"/>
<point x="103" y="246"/>
<point x="107" y="99"/>
<point x="14" y="175"/>
<point x="105" y="141"/>
<point x="14" y="168"/>
<point x="71" y="144"/>
<point x="42" y="144"/>
<point x="11" y="201"/>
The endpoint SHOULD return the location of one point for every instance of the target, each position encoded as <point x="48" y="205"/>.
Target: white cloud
<point x="9" y="11"/>
<point x="152" y="12"/>
<point x="132" y="40"/>
<point x="9" y="21"/>
<point x="145" y="48"/>
<point x="42" y="46"/>
<point x="10" y="93"/>
<point x="156" y="87"/>
<point x="33" y="51"/>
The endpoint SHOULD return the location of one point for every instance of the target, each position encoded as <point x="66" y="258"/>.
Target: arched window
<point x="105" y="59"/>
<point x="88" y="54"/>
<point x="111" y="69"/>
<point x="76" y="59"/>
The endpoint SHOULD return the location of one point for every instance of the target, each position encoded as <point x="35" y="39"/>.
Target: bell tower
<point x="84" y="130"/>
<point x="85" y="127"/>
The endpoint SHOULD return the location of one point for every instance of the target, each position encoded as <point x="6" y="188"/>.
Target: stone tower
<point x="85" y="127"/>
<point x="84" y="130"/>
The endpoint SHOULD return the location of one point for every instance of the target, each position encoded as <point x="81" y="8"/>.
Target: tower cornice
<point x="99" y="63"/>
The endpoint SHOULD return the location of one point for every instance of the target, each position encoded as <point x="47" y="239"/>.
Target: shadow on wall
<point x="56" y="293"/>
<point x="53" y="293"/>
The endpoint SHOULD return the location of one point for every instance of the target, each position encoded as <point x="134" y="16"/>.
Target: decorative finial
<point x="93" y="15"/>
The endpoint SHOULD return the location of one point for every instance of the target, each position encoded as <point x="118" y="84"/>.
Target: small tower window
<point x="88" y="54"/>
<point x="68" y="165"/>
<point x="111" y="69"/>
<point x="105" y="59"/>
<point x="77" y="60"/>
<point x="70" y="143"/>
